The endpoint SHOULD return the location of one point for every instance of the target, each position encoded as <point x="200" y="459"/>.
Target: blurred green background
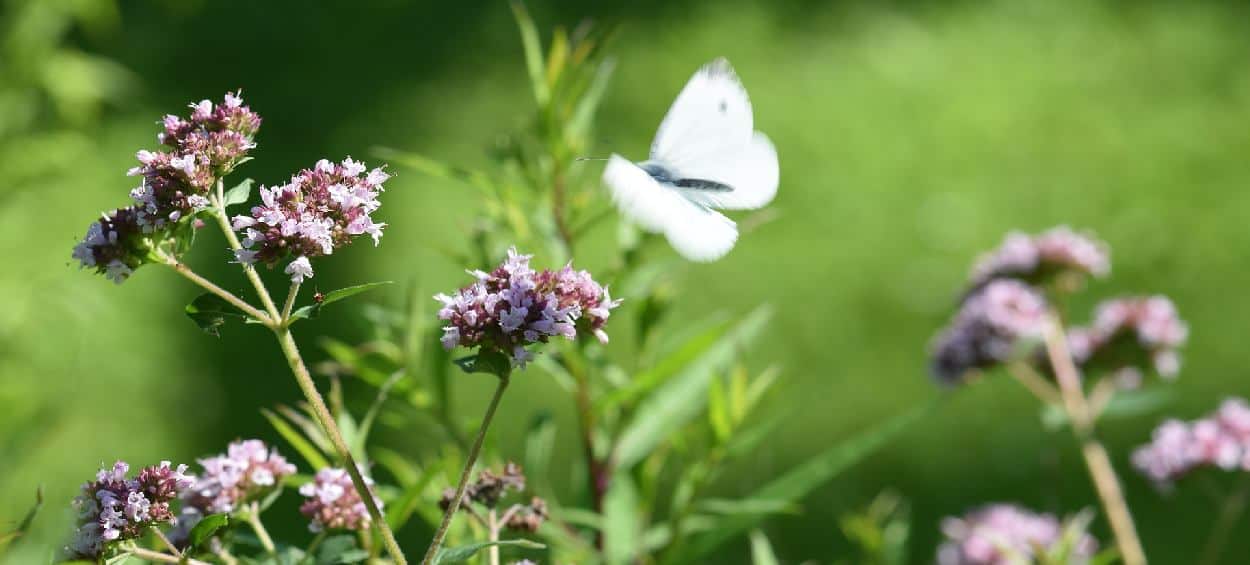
<point x="911" y="135"/>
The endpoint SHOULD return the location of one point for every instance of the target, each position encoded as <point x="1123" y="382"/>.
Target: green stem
<point x="1106" y="483"/>
<point x="223" y="221"/>
<point x="253" y="520"/>
<point x="208" y="285"/>
<point x="161" y="557"/>
<point x="306" y="385"/>
<point x="492" y="528"/>
<point x="474" y="451"/>
<point x="304" y="380"/>
<point x="290" y="302"/>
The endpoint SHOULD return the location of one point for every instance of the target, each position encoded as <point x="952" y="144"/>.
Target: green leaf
<point x="583" y="115"/>
<point x="622" y="530"/>
<point x="540" y="442"/>
<point x="463" y="553"/>
<point x="746" y="506"/>
<point x="533" y="52"/>
<point x="312" y="310"/>
<point x="210" y="312"/>
<point x="762" y="551"/>
<point x="340" y="550"/>
<point x="206" y="527"/>
<point x="240" y="193"/>
<point x="807" y="476"/>
<point x="664" y="368"/>
<point x="490" y="362"/>
<point x="718" y="411"/>
<point x="679" y="399"/>
<point x="301" y="444"/>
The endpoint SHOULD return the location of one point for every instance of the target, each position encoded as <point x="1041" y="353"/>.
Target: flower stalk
<point x="1106" y="483"/>
<point x="474" y="452"/>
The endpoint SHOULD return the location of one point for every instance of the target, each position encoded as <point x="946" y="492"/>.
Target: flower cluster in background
<point x="1123" y="328"/>
<point x="1001" y="534"/>
<point x="987" y="329"/>
<point x="176" y="183"/>
<point x="332" y="502"/>
<point x="514" y="306"/>
<point x="491" y="487"/>
<point x="1219" y="440"/>
<point x="319" y="210"/>
<point x="113" y="508"/>
<point x="247" y="470"/>
<point x="1012" y="288"/>
<point x="1035" y="257"/>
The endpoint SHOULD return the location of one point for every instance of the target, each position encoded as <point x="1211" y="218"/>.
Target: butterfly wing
<point x="697" y="233"/>
<point x="708" y="135"/>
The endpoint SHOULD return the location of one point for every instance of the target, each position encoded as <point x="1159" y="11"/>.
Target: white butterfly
<point x="706" y="155"/>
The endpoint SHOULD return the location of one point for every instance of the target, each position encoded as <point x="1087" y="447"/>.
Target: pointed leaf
<point x="240" y="193"/>
<point x="584" y="113"/>
<point x="679" y="399"/>
<point x="206" y="527"/>
<point x="761" y="550"/>
<point x="464" y="552"/>
<point x="533" y="51"/>
<point x="807" y="476"/>
<point x="210" y="312"/>
<point x="301" y="444"/>
<point x="312" y="310"/>
<point x="622" y="529"/>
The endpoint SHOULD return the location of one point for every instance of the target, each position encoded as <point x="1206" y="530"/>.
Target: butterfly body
<point x="705" y="156"/>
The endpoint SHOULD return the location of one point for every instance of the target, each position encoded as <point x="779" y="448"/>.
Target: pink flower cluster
<point x="176" y="184"/>
<point x="514" y="306"/>
<point x="1220" y="440"/>
<point x="987" y="329"/>
<point x="246" y="471"/>
<point x="110" y="246"/>
<point x="202" y="149"/>
<point x="333" y="503"/>
<point x="1001" y="534"/>
<point x="1056" y="250"/>
<point x="113" y="507"/>
<point x="1150" y="323"/>
<point x="319" y="210"/>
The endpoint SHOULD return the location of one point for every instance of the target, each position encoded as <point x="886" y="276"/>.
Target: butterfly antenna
<point x="591" y="159"/>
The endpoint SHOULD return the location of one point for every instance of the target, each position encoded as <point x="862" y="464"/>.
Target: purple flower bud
<point x="1133" y="333"/>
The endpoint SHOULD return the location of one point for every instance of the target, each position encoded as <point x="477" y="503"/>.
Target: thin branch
<point x="226" y="295"/>
<point x="474" y="451"/>
<point x="290" y="303"/>
<point x="1038" y="385"/>
<point x="1096" y="458"/>
<point x="223" y="221"/>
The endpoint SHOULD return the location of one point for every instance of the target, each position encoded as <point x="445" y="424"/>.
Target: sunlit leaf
<point x="312" y="310"/>
<point x="533" y="52"/>
<point x="761" y="550"/>
<point x="806" y="477"/>
<point x="240" y="193"/>
<point x="206" y="527"/>
<point x="679" y="399"/>
<point x="301" y="444"/>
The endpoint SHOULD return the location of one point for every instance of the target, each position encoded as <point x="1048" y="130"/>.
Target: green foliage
<point x="240" y="193"/>
<point x="880" y="531"/>
<point x="314" y="309"/>
<point x="463" y="553"/>
<point x="210" y="312"/>
<point x="206" y="528"/>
